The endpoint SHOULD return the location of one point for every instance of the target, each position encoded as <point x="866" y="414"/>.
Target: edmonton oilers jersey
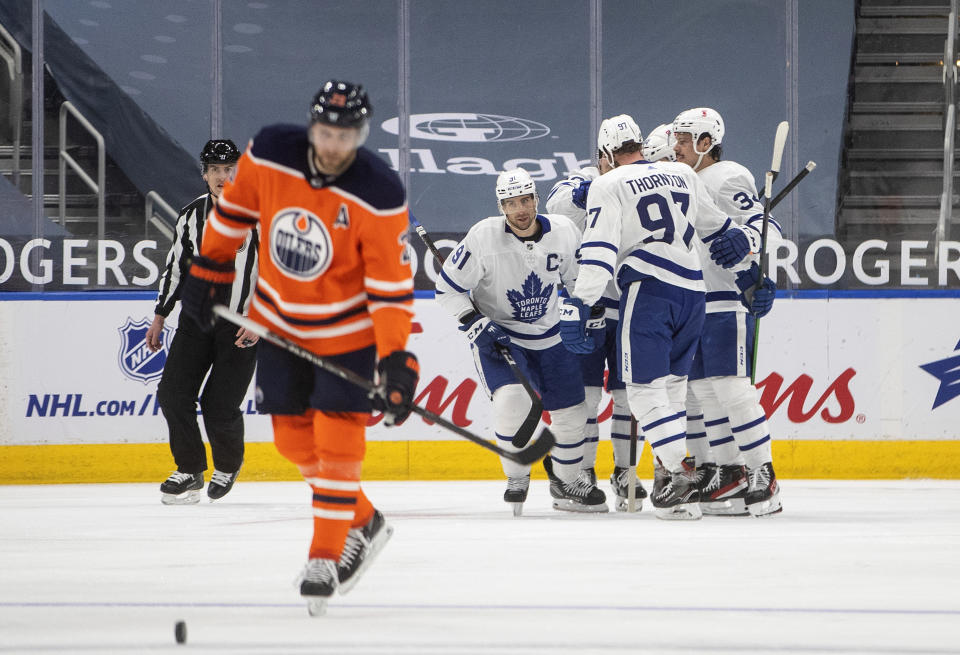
<point x="333" y="258"/>
<point x="513" y="281"/>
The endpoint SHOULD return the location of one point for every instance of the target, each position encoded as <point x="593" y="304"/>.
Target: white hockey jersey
<point x="560" y="201"/>
<point x="732" y="188"/>
<point x="513" y="282"/>
<point x="642" y="221"/>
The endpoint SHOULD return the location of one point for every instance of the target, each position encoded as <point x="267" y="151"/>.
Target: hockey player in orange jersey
<point x="336" y="279"/>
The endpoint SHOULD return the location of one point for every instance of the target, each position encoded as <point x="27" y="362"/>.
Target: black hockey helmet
<point x="219" y="151"/>
<point x="342" y="104"/>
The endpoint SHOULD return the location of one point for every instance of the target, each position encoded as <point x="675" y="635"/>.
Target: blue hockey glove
<point x="733" y="245"/>
<point x="758" y="301"/>
<point x="484" y="334"/>
<point x="208" y="283"/>
<point x="579" y="195"/>
<point x="597" y="325"/>
<point x="578" y="327"/>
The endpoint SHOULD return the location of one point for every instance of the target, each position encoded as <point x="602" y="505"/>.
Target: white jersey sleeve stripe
<point x="386" y="285"/>
<point x="226" y="230"/>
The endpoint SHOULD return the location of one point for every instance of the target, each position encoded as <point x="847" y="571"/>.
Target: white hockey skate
<point x="181" y="489"/>
<point x="317" y="583"/>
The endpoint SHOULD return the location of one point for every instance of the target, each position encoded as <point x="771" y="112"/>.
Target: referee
<point x="226" y="352"/>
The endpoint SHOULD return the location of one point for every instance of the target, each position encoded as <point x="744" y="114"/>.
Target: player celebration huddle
<point x="646" y="266"/>
<point x="642" y="276"/>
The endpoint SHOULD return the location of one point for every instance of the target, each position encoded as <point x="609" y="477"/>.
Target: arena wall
<point x="856" y="385"/>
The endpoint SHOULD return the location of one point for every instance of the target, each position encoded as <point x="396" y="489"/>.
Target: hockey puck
<point x="180" y="632"/>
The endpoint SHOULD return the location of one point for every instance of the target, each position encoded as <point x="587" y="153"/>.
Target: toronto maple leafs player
<point x="659" y="144"/>
<point x="569" y="197"/>
<point x="722" y="404"/>
<point x="642" y="219"/>
<point x="501" y="284"/>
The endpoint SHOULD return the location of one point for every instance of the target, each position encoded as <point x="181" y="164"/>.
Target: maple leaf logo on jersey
<point x="948" y="372"/>
<point x="531" y="302"/>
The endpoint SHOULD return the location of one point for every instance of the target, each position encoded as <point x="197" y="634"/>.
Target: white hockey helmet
<point x="697" y="122"/>
<point x="614" y="132"/>
<point x="513" y="183"/>
<point x="659" y="144"/>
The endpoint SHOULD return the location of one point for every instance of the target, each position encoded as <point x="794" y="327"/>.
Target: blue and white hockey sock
<point x="567" y="426"/>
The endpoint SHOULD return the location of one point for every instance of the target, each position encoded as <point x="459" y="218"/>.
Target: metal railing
<point x="949" y="128"/>
<point x="151" y="218"/>
<point x="65" y="158"/>
<point x="10" y="53"/>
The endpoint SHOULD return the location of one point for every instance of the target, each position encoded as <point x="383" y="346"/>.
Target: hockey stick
<point x="632" y="469"/>
<point x="530" y="423"/>
<point x="791" y="184"/>
<point x="779" y="142"/>
<point x="536" y="451"/>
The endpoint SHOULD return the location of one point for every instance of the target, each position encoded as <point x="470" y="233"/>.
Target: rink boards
<point x="855" y="386"/>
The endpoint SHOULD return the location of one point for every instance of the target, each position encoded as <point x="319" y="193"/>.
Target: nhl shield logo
<point x="136" y="360"/>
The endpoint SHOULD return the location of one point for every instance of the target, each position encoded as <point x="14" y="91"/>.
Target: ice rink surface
<point x="848" y="567"/>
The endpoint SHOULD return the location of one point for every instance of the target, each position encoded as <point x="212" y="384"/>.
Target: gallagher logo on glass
<point x="472" y="128"/>
<point x="460" y="130"/>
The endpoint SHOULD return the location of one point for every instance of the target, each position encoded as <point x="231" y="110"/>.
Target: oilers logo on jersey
<point x="300" y="244"/>
<point x="531" y="301"/>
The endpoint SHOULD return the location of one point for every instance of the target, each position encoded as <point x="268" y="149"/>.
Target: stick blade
<point x="530" y="423"/>
<point x="538" y="449"/>
<point x="779" y="142"/>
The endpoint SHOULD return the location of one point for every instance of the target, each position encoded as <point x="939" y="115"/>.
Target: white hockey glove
<point x="731" y="247"/>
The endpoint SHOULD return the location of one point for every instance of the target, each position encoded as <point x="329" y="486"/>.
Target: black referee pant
<point x="191" y="355"/>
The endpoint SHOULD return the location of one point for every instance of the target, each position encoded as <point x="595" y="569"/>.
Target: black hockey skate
<point x="619" y="481"/>
<point x="590" y="474"/>
<point x="516" y="493"/>
<point x="220" y="484"/>
<point x="360" y="549"/>
<point x="705" y="473"/>
<point x="577" y="495"/>
<point x="317" y="583"/>
<point x="763" y="492"/>
<point x="675" y="494"/>
<point x="723" y="491"/>
<point x="181" y="488"/>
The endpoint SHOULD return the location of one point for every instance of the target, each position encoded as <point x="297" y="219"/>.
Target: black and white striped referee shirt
<point x="186" y="244"/>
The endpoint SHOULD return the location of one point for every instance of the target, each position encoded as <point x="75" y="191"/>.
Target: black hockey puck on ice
<point x="180" y="632"/>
